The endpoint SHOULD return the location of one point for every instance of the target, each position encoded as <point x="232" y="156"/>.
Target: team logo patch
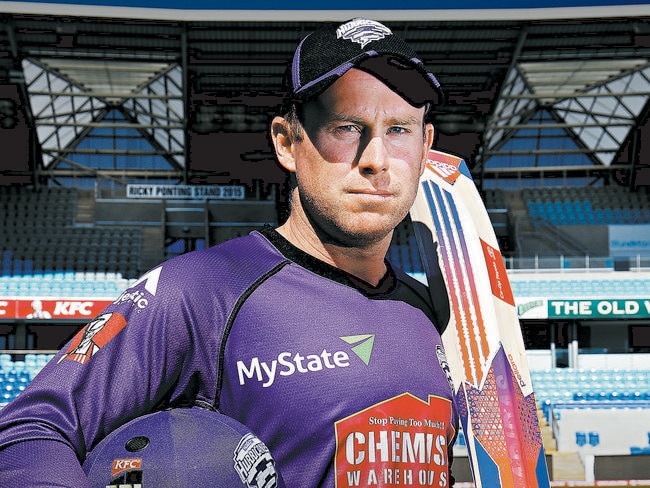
<point x="444" y="365"/>
<point x="254" y="463"/>
<point x="362" y="31"/>
<point x="95" y="335"/>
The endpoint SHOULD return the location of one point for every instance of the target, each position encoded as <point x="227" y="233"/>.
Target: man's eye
<point x="397" y="130"/>
<point x="348" y="128"/>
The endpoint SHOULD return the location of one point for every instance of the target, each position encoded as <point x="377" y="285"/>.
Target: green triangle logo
<point x="363" y="347"/>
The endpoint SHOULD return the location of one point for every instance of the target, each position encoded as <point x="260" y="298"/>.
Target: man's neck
<point x="365" y="262"/>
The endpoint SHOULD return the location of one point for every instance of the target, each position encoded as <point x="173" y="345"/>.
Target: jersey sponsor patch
<point x="288" y="363"/>
<point x="402" y="441"/>
<point x="136" y="296"/>
<point x="150" y="280"/>
<point x="95" y="335"/>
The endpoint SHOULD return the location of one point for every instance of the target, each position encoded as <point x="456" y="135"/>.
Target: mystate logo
<point x="288" y="363"/>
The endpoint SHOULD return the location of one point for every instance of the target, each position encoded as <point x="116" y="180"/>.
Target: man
<point x="304" y="333"/>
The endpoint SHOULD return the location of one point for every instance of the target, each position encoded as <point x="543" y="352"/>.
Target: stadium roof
<point x="516" y="80"/>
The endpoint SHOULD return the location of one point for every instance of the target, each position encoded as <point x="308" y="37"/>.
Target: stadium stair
<point x="564" y="465"/>
<point x="567" y="466"/>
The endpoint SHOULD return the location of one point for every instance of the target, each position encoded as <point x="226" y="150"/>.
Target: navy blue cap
<point x="328" y="53"/>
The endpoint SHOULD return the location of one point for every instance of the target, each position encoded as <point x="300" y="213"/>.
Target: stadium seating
<point x="587" y="206"/>
<point x="38" y="233"/>
<point x="71" y="284"/>
<point x="590" y="427"/>
<point x="16" y="375"/>
<point x="567" y="385"/>
<point x="596" y="411"/>
<point x="610" y="284"/>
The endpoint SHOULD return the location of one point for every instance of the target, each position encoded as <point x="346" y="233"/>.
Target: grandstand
<point x="102" y="180"/>
<point x="40" y="233"/>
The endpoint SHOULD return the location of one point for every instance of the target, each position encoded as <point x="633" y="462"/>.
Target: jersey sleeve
<point x="19" y="469"/>
<point x="145" y="350"/>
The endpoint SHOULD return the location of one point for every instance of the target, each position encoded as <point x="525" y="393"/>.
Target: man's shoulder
<point x="416" y="292"/>
<point x="252" y="253"/>
<point x="226" y="269"/>
<point x="417" y="285"/>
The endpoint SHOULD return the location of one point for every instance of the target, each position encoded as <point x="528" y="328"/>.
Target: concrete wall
<point x="601" y="430"/>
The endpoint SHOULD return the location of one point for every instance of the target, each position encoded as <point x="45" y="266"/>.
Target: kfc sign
<point x="48" y="309"/>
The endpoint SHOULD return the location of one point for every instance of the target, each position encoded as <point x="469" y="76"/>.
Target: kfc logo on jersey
<point x="95" y="335"/>
<point x="362" y="31"/>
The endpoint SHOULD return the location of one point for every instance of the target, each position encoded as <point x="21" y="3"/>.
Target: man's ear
<point x="283" y="143"/>
<point x="429" y="133"/>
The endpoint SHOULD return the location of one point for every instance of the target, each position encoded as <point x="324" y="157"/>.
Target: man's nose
<point x="374" y="157"/>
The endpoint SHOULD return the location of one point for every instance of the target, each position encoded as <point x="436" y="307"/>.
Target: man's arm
<point x="134" y="357"/>
<point x="58" y="466"/>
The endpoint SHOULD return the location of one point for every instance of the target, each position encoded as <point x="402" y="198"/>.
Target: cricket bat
<point x="482" y="336"/>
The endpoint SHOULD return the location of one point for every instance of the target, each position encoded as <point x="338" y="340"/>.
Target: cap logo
<point x="362" y="31"/>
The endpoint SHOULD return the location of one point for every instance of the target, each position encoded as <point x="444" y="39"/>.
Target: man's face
<point x="361" y="158"/>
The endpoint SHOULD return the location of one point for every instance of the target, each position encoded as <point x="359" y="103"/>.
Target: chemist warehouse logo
<point x="289" y="363"/>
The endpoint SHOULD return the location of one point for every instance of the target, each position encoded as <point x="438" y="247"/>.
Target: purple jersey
<point x="345" y="383"/>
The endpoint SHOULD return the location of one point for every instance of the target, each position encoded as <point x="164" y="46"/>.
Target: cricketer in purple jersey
<point x="360" y="400"/>
<point x="304" y="333"/>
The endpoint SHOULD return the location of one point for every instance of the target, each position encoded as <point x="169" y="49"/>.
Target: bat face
<point x="482" y="336"/>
